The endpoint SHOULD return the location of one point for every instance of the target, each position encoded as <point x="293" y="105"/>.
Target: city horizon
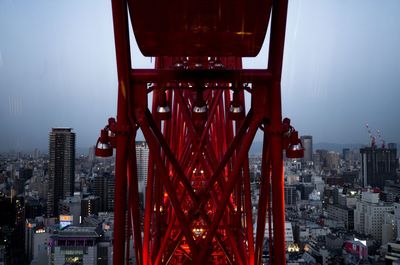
<point x="255" y="148"/>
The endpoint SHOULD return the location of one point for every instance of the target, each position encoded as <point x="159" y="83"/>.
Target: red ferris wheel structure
<point x="198" y="202"/>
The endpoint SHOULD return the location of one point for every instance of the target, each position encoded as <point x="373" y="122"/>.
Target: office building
<point x="74" y="245"/>
<point x="61" y="167"/>
<point x="142" y="158"/>
<point x="33" y="208"/>
<point x="369" y="214"/>
<point x="305" y="190"/>
<point x="291" y="195"/>
<point x="90" y="206"/>
<point x="389" y="228"/>
<point x="320" y="158"/>
<point x="36" y="241"/>
<point x="71" y="207"/>
<point x="332" y="160"/>
<point x="289" y="237"/>
<point x="104" y="187"/>
<point x="306" y="140"/>
<point x="341" y="213"/>
<point x="378" y="165"/>
<point x="346" y="154"/>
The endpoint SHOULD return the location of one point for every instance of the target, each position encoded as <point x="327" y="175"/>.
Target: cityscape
<point x="231" y="133"/>
<point x="341" y="207"/>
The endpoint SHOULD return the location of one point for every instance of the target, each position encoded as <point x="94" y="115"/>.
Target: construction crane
<point x="383" y="144"/>
<point x="198" y="207"/>
<point x="371" y="136"/>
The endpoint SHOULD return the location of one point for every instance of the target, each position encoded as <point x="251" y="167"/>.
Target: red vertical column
<point x="121" y="36"/>
<point x="277" y="42"/>
<point x="278" y="209"/>
<point x="263" y="200"/>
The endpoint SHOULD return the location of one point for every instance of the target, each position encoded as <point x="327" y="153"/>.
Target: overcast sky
<point x="57" y="68"/>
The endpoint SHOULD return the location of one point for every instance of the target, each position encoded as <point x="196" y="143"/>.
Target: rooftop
<point x="76" y="231"/>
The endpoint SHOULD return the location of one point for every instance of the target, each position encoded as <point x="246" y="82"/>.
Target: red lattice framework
<point x="198" y="207"/>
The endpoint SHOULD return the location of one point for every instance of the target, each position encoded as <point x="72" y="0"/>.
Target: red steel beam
<point x="248" y="211"/>
<point x="121" y="37"/>
<point x="164" y="242"/>
<point x="235" y="76"/>
<point x="171" y="157"/>
<point x="275" y="60"/>
<point x="147" y="212"/>
<point x="263" y="200"/>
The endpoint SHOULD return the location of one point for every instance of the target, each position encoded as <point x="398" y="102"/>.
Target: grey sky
<point x="57" y="68"/>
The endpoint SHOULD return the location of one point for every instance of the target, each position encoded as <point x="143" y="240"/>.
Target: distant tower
<point x="346" y="154"/>
<point x="61" y="167"/>
<point x="142" y="158"/>
<point x="378" y="165"/>
<point x="306" y="140"/>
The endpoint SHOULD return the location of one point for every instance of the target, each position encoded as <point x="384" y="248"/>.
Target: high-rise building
<point x="104" y="187"/>
<point x="61" y="167"/>
<point x="346" y="154"/>
<point x="378" y="165"/>
<point x="110" y="194"/>
<point x="306" y="140"/>
<point x="305" y="190"/>
<point x="332" y="160"/>
<point x="291" y="195"/>
<point x="33" y="208"/>
<point x="142" y="158"/>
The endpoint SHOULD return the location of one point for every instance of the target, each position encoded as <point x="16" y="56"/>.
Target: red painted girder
<point x="275" y="61"/>
<point x="263" y="200"/>
<point x="248" y="210"/>
<point x="203" y="75"/>
<point x="121" y="37"/>
<point x="147" y="212"/>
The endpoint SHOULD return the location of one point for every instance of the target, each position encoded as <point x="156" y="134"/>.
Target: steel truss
<point x="197" y="207"/>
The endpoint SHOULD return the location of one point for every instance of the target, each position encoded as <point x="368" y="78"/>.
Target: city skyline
<point x="338" y="73"/>
<point x="325" y="205"/>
